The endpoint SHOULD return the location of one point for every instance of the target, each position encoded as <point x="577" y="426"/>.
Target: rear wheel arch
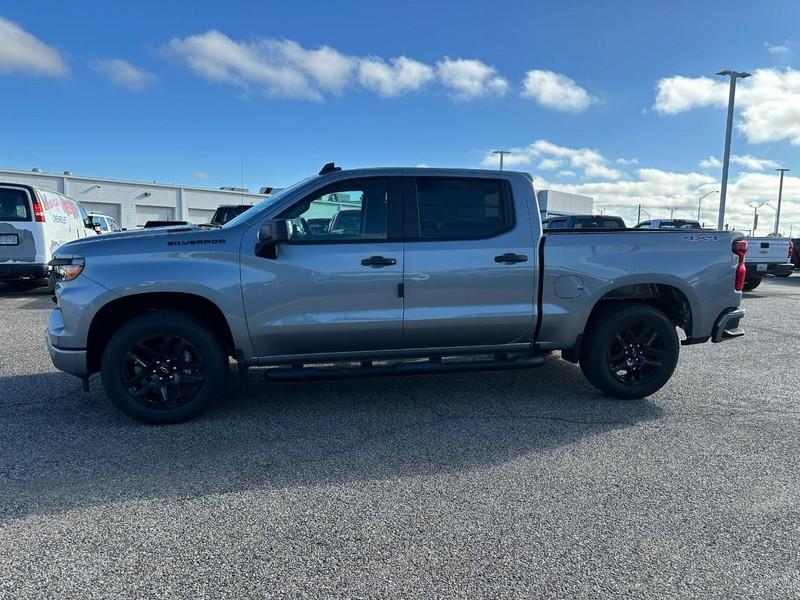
<point x="113" y="315"/>
<point x="666" y="298"/>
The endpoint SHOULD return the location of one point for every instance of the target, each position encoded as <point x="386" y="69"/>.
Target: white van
<point x="33" y="223"/>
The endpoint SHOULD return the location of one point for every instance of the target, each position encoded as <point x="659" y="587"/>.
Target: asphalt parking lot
<point x="503" y="484"/>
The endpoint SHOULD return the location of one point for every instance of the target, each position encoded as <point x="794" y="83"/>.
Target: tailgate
<point x="768" y="250"/>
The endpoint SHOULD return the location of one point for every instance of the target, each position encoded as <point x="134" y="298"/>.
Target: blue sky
<point x="202" y="91"/>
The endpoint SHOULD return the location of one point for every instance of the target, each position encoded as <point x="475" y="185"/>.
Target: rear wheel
<point x="752" y="284"/>
<point x="163" y="368"/>
<point x="629" y="351"/>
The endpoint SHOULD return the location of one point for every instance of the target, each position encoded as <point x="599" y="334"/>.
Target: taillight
<point x="739" y="248"/>
<point x="38" y="210"/>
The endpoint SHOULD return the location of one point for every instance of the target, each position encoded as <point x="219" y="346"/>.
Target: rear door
<point x="18" y="230"/>
<point x="470" y="263"/>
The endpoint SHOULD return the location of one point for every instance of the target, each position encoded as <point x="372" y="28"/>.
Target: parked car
<point x="104" y="223"/>
<point x="669" y="224"/>
<point x="795" y="252"/>
<point x="33" y="223"/>
<point x="226" y="212"/>
<point x="583" y="222"/>
<point x="768" y="256"/>
<point x="446" y="263"/>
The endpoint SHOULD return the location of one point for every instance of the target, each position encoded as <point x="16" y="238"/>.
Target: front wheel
<point x="629" y="351"/>
<point x="163" y="368"/>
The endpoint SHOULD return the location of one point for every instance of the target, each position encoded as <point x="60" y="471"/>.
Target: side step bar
<point x="434" y="365"/>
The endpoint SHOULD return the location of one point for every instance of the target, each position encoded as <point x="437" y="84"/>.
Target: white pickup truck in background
<point x="767" y="256"/>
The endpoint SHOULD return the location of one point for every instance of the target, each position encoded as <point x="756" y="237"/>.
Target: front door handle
<point x="378" y="261"/>
<point x="509" y="258"/>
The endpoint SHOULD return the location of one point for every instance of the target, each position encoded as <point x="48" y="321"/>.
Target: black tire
<point x="751" y="284"/>
<point x="629" y="351"/>
<point x="163" y="367"/>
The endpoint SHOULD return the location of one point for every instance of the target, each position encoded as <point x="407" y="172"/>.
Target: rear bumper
<point x="17" y="271"/>
<point x="771" y="269"/>
<point x="727" y="325"/>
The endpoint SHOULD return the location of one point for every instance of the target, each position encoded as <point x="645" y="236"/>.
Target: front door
<point x="336" y="286"/>
<point x="470" y="264"/>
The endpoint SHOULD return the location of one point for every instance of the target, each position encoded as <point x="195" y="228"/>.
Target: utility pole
<point x="502" y="153"/>
<point x="639" y="215"/>
<point x="734" y="75"/>
<point x="780" y="193"/>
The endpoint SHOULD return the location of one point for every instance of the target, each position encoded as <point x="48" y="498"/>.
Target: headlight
<point x="67" y="268"/>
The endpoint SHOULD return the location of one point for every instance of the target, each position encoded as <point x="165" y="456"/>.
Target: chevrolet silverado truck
<point x="445" y="270"/>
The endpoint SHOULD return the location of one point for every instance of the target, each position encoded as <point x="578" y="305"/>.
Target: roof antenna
<point x="329" y="168"/>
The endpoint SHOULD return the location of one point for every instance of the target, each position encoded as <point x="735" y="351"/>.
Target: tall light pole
<point x="700" y="199"/>
<point x="671" y="210"/>
<point x="780" y="193"/>
<point x="755" y="217"/>
<point x="502" y="153"/>
<point x="734" y="75"/>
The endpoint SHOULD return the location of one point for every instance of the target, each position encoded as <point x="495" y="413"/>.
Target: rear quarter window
<point x="14" y="205"/>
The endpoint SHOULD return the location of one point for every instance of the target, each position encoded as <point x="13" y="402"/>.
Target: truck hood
<point x="149" y="239"/>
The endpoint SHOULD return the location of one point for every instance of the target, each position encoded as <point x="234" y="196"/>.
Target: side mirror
<point x="270" y="234"/>
<point x="87" y="222"/>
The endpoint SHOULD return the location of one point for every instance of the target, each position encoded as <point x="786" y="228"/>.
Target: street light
<point x="700" y="199"/>
<point x="755" y="216"/>
<point x="502" y="153"/>
<point x="780" y="193"/>
<point x="672" y="210"/>
<point x="734" y="75"/>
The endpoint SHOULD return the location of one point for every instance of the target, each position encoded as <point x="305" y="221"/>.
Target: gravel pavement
<point x="492" y="484"/>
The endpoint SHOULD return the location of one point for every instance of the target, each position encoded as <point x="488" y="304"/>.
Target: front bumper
<point x="727" y="325"/>
<point x="17" y="271"/>
<point x="767" y="269"/>
<point x="69" y="360"/>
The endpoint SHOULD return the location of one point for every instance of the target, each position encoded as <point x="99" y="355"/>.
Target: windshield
<point x="269" y="200"/>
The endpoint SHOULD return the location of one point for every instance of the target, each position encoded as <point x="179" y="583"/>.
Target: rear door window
<point x="463" y="209"/>
<point x="14" y="205"/>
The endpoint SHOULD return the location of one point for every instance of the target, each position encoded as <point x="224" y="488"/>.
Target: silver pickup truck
<point x="385" y="271"/>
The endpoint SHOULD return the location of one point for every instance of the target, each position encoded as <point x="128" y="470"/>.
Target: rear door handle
<point x="510" y="258"/>
<point x="378" y="261"/>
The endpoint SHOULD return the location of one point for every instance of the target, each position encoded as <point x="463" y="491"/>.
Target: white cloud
<point x="769" y="101"/>
<point x="566" y="173"/>
<point x="677" y="94"/>
<point x="21" y="52"/>
<point x="710" y="163"/>
<point x="590" y="162"/>
<point x="283" y="68"/>
<point x="201" y="175"/>
<point x="550" y="164"/>
<point x="402" y="75"/>
<point x="627" y="161"/>
<point x="556" y="91"/>
<point x="780" y="49"/>
<point x="123" y="73"/>
<point x="748" y="161"/>
<point x="216" y="57"/>
<point x="469" y="78"/>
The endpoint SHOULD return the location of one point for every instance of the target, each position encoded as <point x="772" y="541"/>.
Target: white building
<point x="552" y="202"/>
<point x="132" y="203"/>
